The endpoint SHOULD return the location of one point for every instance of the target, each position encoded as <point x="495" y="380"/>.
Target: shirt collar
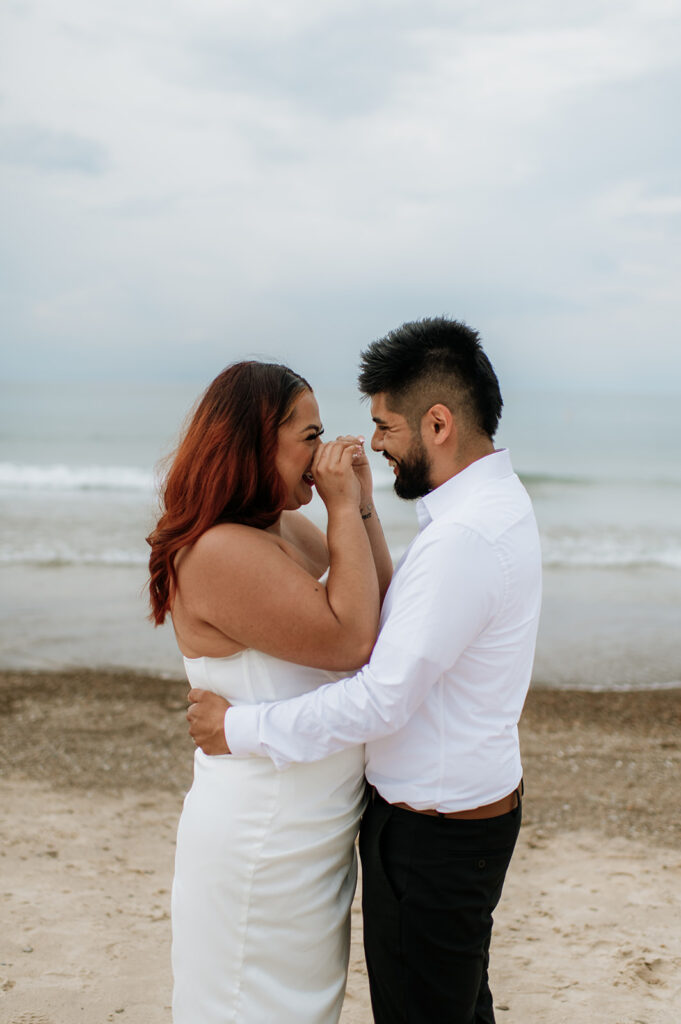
<point x="453" y="491"/>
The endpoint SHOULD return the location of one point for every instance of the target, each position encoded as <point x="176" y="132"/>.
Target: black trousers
<point x="429" y="887"/>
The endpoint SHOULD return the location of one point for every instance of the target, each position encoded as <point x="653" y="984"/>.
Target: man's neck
<point x="461" y="462"/>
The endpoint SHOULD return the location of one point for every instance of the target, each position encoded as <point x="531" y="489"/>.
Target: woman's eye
<point x="313" y="437"/>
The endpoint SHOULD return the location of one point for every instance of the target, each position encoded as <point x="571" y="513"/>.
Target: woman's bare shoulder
<point x="228" y="533"/>
<point x="227" y="541"/>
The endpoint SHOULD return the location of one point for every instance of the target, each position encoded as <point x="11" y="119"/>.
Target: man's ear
<point x="437" y="424"/>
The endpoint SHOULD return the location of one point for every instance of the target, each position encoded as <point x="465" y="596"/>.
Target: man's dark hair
<point x="431" y="361"/>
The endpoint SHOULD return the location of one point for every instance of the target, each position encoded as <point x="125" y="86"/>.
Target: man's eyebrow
<point x="379" y="422"/>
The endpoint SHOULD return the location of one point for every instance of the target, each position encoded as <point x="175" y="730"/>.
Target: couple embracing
<point x="313" y="665"/>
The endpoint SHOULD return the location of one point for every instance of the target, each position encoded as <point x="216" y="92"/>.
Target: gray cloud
<point x="331" y="67"/>
<point x="33" y="145"/>
<point x="292" y="180"/>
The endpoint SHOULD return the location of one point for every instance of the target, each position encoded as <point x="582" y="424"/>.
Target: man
<point x="439" y="701"/>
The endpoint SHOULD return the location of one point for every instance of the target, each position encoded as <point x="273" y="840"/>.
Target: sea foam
<point x="61" y="477"/>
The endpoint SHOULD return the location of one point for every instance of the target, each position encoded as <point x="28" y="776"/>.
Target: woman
<point x="265" y="868"/>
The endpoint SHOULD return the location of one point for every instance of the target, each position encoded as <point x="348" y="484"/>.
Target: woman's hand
<point x="334" y="473"/>
<point x="360" y="464"/>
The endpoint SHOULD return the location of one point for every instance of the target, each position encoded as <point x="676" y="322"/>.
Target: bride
<point x="265" y="867"/>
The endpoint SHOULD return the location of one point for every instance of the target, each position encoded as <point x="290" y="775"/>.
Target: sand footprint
<point x="650" y="970"/>
<point x="31" y="1018"/>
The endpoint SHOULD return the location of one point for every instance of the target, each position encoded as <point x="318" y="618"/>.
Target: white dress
<point x="265" y="869"/>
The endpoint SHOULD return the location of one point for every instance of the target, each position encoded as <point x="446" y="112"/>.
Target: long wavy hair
<point x="223" y="470"/>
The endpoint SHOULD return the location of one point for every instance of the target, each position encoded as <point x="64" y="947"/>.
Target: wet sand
<point x="93" y="768"/>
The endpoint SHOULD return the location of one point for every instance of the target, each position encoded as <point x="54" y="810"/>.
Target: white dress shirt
<point x="438" y="703"/>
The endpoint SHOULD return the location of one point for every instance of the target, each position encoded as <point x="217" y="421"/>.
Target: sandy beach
<point x="93" y="768"/>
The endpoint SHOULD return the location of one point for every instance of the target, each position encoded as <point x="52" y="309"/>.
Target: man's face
<point x="403" y="448"/>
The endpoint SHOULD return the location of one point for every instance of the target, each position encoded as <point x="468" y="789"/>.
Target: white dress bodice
<point x="251" y="677"/>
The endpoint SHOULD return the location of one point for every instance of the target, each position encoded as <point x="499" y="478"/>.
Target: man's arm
<point x="443" y="598"/>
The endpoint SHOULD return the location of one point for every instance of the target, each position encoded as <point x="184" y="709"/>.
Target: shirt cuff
<point x="242" y="728"/>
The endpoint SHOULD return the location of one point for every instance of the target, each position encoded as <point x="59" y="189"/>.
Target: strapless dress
<point x="265" y="868"/>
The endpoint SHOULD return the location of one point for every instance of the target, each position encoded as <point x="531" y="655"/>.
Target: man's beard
<point x="412" y="479"/>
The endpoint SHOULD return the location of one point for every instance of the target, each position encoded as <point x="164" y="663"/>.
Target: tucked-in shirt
<point x="439" y="701"/>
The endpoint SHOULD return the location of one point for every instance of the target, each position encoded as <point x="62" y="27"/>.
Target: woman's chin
<point x="307" y="489"/>
<point x="302" y="496"/>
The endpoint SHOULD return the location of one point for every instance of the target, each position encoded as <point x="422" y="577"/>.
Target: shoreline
<point x="175" y="675"/>
<point x="93" y="770"/>
<point x="600" y="628"/>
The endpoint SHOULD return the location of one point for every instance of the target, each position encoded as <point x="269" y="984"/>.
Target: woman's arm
<point x="379" y="547"/>
<point x="241" y="582"/>
<point x="372" y="524"/>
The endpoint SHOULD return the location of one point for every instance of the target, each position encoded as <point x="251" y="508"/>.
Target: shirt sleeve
<point x="443" y="597"/>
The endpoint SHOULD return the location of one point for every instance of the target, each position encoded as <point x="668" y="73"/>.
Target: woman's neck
<point x="275" y="528"/>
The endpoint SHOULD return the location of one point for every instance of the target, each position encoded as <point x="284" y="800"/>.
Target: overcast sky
<point x="188" y="182"/>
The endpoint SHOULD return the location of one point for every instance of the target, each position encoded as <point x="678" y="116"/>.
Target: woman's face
<point x="298" y="441"/>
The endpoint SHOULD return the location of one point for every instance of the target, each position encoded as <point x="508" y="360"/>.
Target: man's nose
<point x="376" y="442"/>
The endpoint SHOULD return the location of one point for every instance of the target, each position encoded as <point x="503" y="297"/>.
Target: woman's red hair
<point x="224" y="468"/>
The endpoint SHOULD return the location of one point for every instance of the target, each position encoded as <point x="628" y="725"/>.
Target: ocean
<point x="78" y="477"/>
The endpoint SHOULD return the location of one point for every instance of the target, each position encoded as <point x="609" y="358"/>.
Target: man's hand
<point x="206" y="717"/>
